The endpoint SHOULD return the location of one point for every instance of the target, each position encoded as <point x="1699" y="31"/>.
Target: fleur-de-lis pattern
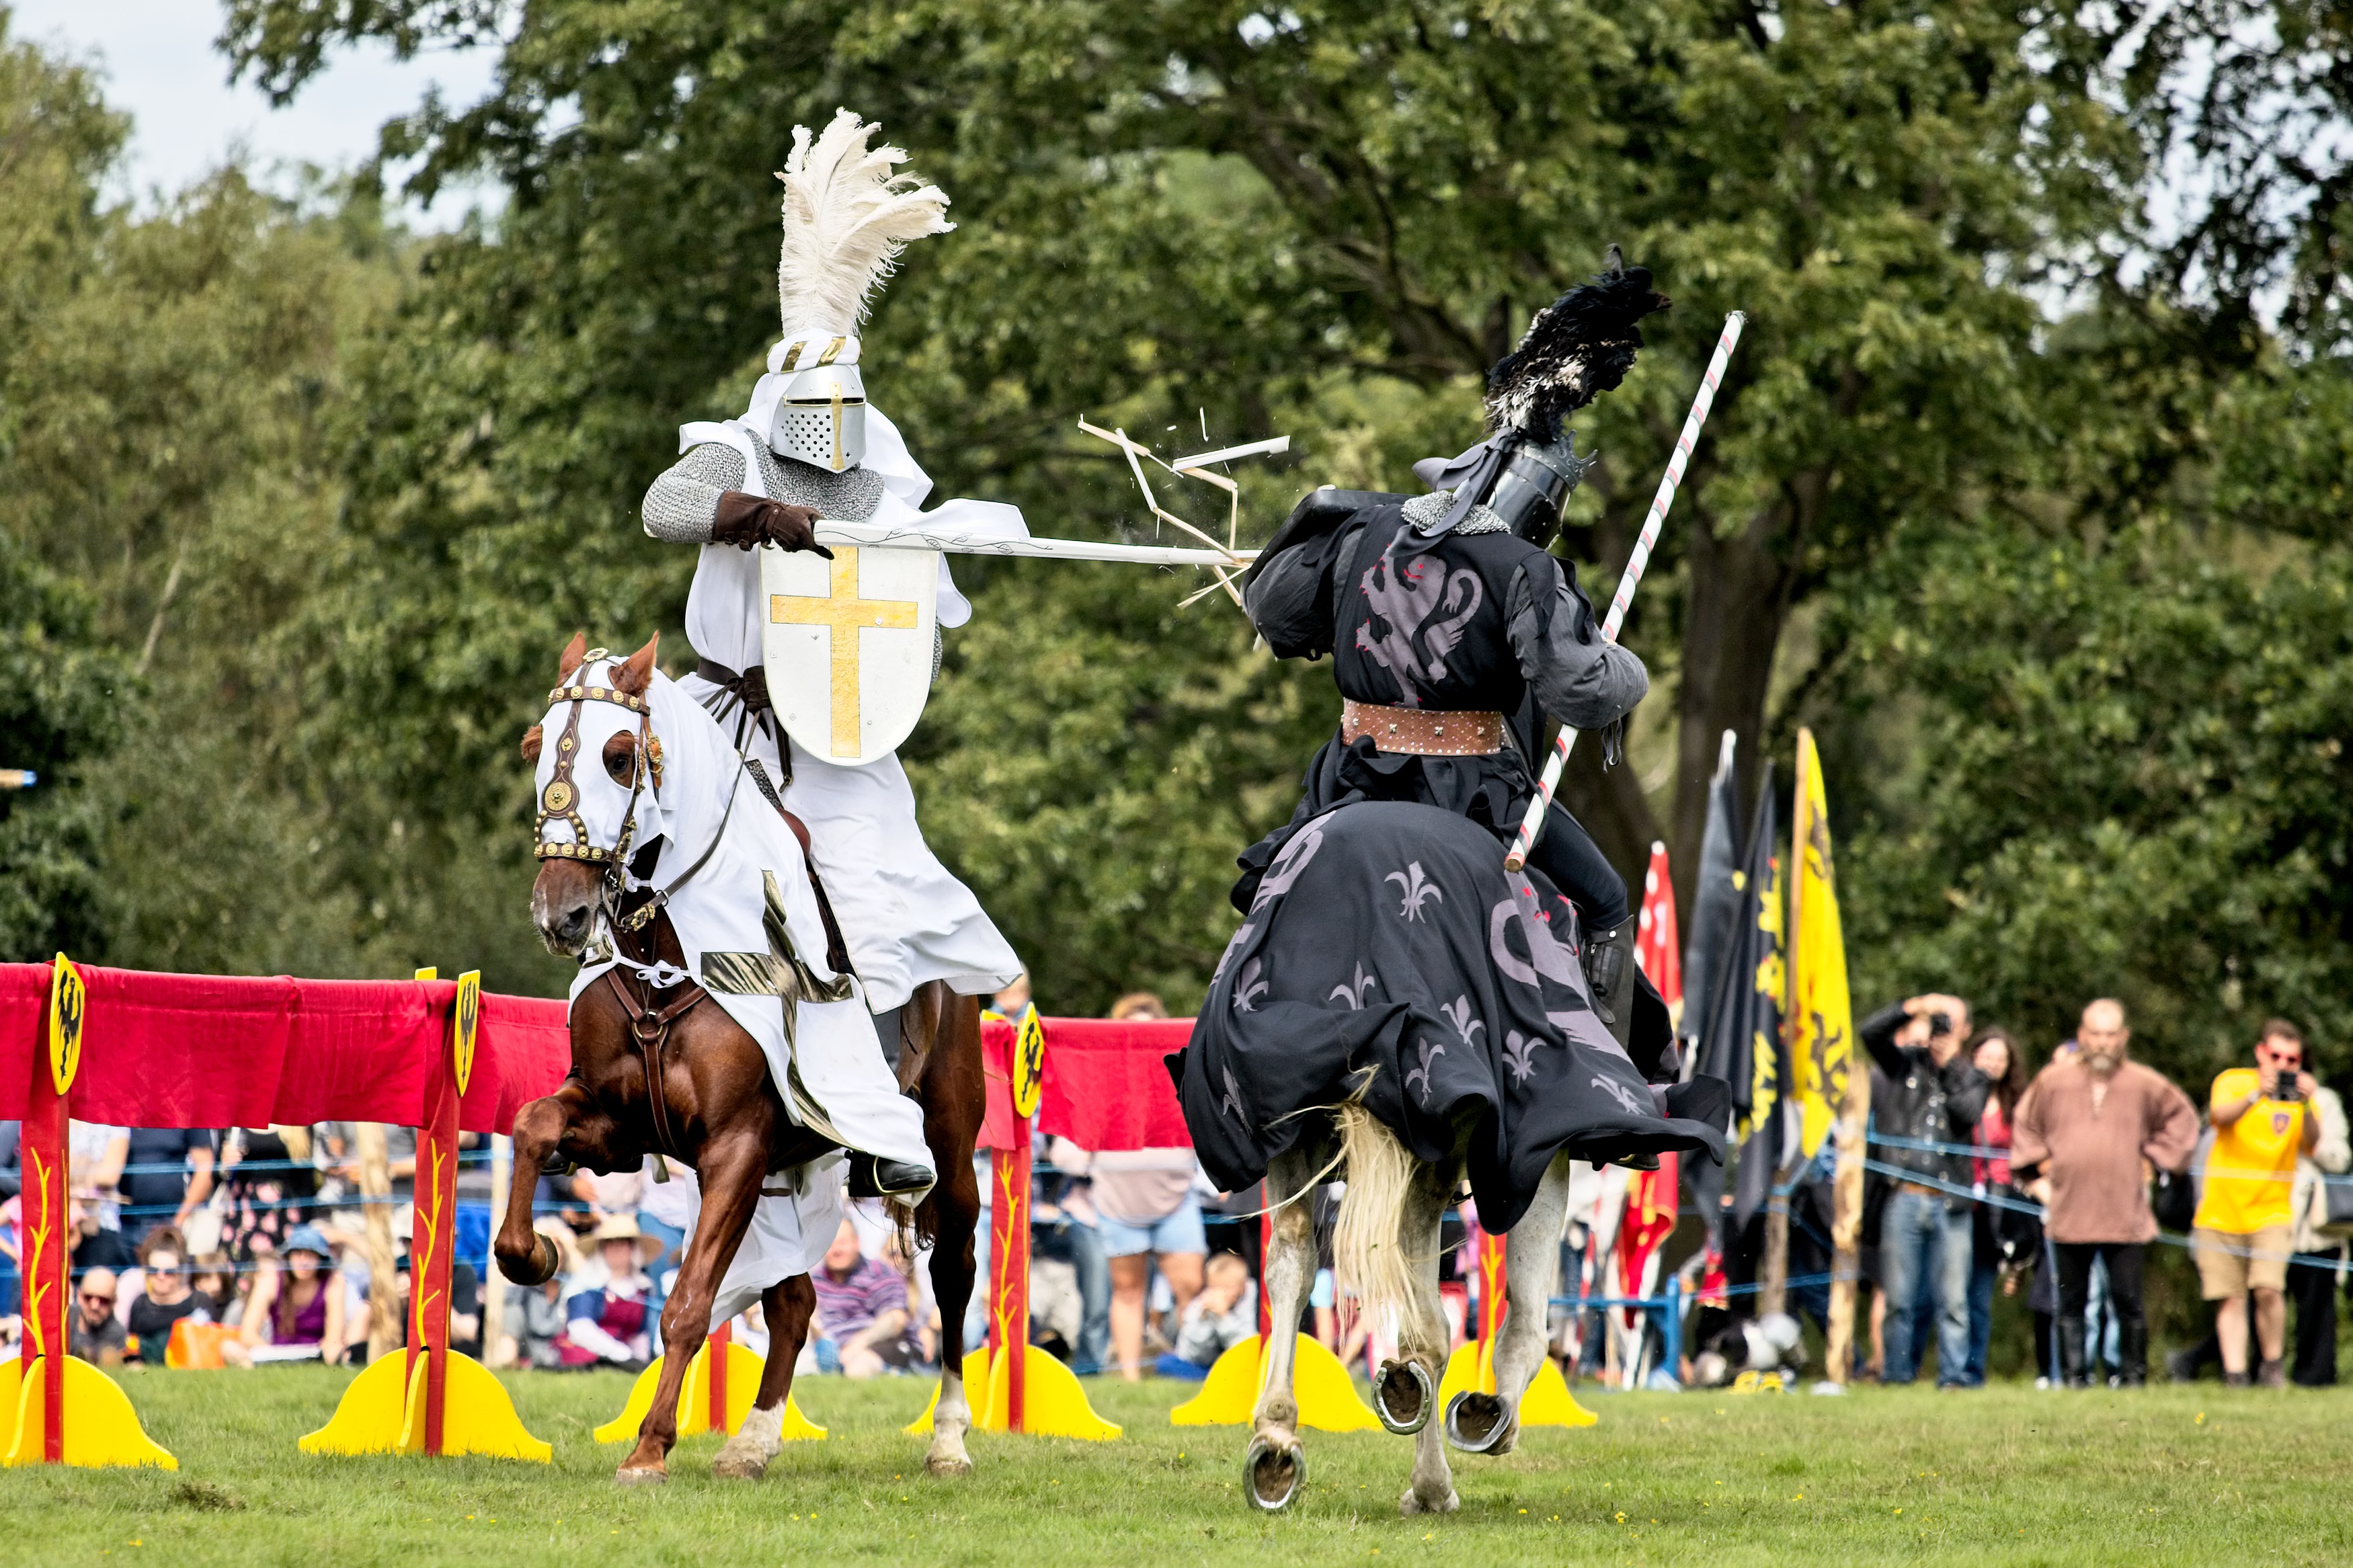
<point x="1353" y="994"/>
<point x="1431" y="1051"/>
<point x="1418" y="890"/>
<point x="1519" y="1055"/>
<point x="1249" y="988"/>
<point x="1458" y="1013"/>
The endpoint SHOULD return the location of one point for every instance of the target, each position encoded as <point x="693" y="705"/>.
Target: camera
<point x="2283" y="1082"/>
<point x="1939" y="1024"/>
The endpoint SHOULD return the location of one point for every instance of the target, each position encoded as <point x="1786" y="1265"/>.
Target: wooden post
<point x="1846" y="1224"/>
<point x="432" y="1241"/>
<point x="1773" y="1270"/>
<point x="46" y="1212"/>
<point x="1009" y="1269"/>
<point x="1492" y="1283"/>
<point x="716" y="1377"/>
<point x="375" y="1195"/>
<point x="493" y="1287"/>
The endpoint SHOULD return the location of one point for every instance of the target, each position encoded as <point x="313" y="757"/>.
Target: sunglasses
<point x="94" y="1296"/>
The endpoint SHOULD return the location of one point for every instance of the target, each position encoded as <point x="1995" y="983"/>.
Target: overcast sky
<point x="160" y="66"/>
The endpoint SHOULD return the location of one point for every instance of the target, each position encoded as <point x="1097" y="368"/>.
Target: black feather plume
<point x="1579" y="346"/>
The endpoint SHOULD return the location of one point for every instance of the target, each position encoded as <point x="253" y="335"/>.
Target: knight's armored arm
<point x="683" y="506"/>
<point x="1580" y="678"/>
<point x="697" y="501"/>
<point x="1288" y="590"/>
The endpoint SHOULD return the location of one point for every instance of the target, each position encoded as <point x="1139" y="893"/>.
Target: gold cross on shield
<point x="843" y="613"/>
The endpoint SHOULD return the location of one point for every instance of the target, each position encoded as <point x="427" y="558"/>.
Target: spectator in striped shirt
<point x="861" y="1311"/>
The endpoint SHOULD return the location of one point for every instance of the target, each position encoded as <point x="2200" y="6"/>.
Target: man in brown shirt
<point x="2096" y="1124"/>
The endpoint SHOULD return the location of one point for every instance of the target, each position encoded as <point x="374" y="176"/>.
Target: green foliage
<point x="2133" y="782"/>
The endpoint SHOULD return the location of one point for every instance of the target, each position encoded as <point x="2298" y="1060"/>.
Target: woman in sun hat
<point x="608" y="1316"/>
<point x="296" y="1311"/>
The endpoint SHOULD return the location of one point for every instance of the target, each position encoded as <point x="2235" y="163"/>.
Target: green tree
<point x="1290" y="219"/>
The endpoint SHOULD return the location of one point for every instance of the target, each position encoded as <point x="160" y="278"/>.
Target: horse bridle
<point x="561" y="798"/>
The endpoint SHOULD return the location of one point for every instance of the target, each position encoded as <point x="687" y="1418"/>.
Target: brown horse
<point x="656" y="1070"/>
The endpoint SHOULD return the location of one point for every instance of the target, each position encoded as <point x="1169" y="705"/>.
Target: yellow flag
<point x="1820" y="1019"/>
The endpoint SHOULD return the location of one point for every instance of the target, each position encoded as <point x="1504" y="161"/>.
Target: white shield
<point x="848" y="645"/>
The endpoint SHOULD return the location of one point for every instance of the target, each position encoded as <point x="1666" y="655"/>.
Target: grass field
<point x="2001" y="1476"/>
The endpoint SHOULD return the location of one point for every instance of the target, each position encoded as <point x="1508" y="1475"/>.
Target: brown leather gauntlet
<point x="745" y="521"/>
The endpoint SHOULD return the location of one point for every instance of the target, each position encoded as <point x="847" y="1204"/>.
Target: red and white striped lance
<point x="1533" y="824"/>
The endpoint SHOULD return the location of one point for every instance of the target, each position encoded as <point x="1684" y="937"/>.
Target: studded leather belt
<point x="1422" y="732"/>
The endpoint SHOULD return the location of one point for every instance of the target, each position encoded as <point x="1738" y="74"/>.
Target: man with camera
<point x="1924" y="1111"/>
<point x="2091" y="1128"/>
<point x="2245" y="1228"/>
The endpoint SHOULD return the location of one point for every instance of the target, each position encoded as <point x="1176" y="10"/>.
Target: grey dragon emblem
<point x="1249" y="988"/>
<point x="1418" y="888"/>
<point x="1431" y="1051"/>
<point x="1353" y="994"/>
<point x="1519" y="1055"/>
<point x="1458" y="1013"/>
<point x="1423" y="610"/>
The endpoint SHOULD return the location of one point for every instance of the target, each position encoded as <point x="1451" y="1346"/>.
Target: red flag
<point x="1656" y="946"/>
<point x="1649" y="1220"/>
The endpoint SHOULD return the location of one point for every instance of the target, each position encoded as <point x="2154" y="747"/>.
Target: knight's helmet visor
<point x="1527" y="495"/>
<point x="821" y="420"/>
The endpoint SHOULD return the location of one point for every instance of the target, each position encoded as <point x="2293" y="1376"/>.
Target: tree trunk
<point x="1737" y="604"/>
<point x="1773" y="1271"/>
<point x="376" y="1192"/>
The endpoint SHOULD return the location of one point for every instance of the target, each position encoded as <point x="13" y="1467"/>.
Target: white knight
<point x="809" y="447"/>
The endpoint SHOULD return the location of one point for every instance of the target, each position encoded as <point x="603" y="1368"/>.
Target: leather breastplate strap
<point x="1422" y="732"/>
<point x="649" y="1026"/>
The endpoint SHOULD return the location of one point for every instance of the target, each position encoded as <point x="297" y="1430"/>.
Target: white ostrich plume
<point x="847" y="219"/>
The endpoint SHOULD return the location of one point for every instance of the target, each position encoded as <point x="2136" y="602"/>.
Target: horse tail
<point x="1368" y="1244"/>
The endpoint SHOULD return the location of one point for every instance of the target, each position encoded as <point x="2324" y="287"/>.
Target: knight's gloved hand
<point x="745" y="521"/>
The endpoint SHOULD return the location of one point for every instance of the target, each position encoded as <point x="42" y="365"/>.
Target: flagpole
<point x="1533" y="824"/>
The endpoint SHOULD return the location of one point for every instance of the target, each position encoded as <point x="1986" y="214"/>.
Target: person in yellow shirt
<point x="2244" y="1232"/>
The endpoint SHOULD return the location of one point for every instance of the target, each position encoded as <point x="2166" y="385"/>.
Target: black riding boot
<point x="2071" y="1353"/>
<point x="1608" y="959"/>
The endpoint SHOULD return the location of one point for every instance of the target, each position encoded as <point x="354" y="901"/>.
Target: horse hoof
<point x="1477" y="1423"/>
<point x="1274" y="1475"/>
<point x="626" y="1477"/>
<point x="949" y="1465"/>
<point x="1402" y="1396"/>
<point x="1413" y="1502"/>
<point x="739" y="1468"/>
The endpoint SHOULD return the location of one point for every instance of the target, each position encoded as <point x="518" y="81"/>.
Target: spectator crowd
<point x="1988" y="1181"/>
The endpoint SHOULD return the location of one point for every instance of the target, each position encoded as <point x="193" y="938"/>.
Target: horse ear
<point x="639" y="673"/>
<point x="573" y="652"/>
<point x="531" y="744"/>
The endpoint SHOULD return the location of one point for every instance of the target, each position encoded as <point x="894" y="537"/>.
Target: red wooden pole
<point x="1490" y="1295"/>
<point x="1009" y="1270"/>
<point x="1265" y="1251"/>
<point x="432" y="1242"/>
<point x="719" y="1339"/>
<point x="46" y="1212"/>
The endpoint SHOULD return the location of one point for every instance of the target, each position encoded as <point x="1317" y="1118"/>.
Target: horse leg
<point x="1422" y="1338"/>
<point x="1275" y="1468"/>
<point x="1490" y="1423"/>
<point x="952" y="1088"/>
<point x="525" y="1256"/>
<point x="731" y="1169"/>
<point x="787" y="1305"/>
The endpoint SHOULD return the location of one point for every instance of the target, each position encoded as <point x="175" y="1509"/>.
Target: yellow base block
<point x="1326" y="1395"/>
<point x="744" y="1371"/>
<point x="101" y="1428"/>
<point x="11" y="1377"/>
<point x="1058" y="1406"/>
<point x="477" y="1415"/>
<point x="381" y="1412"/>
<point x="369" y="1417"/>
<point x="1548" y="1402"/>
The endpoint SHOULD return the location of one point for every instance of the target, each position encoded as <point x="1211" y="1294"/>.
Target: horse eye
<point x="620" y="761"/>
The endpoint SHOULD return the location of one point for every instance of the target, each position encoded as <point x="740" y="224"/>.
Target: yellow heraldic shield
<point x="848" y="645"/>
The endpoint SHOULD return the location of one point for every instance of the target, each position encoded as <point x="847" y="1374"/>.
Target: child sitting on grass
<point x="1220" y="1317"/>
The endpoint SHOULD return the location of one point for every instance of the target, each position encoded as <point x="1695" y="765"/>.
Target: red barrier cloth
<point x="1107" y="1088"/>
<point x="522" y="1052"/>
<point x="205" y="1051"/>
<point x="997" y="1078"/>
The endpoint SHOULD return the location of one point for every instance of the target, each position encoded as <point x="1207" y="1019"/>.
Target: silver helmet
<point x="820" y="417"/>
<point x="847" y="216"/>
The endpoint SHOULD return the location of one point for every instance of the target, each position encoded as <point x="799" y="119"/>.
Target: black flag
<point x="1742" y="1044"/>
<point x="1715" y="900"/>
